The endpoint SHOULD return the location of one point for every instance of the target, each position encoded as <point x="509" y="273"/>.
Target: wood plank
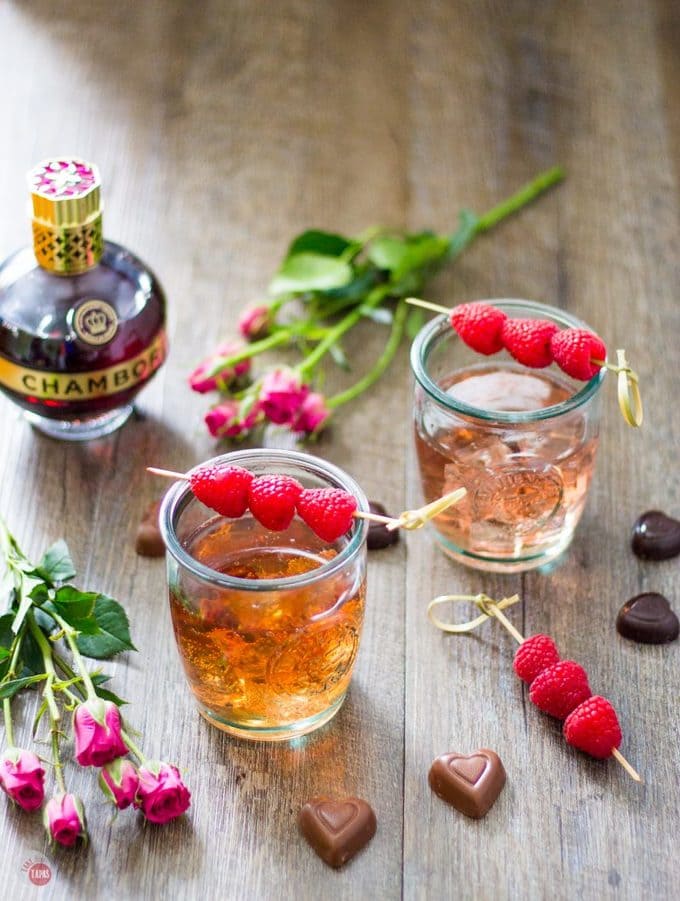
<point x="554" y="84"/>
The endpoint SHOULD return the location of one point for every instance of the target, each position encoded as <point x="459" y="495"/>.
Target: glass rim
<point x="432" y="330"/>
<point x="180" y="494"/>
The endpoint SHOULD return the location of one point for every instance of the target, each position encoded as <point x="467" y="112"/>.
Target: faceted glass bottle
<point x="82" y="320"/>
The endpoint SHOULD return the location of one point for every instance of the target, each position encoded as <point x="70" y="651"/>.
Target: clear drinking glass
<point x="267" y="623"/>
<point x="521" y="441"/>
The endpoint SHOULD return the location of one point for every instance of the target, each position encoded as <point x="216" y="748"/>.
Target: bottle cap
<point x="67" y="214"/>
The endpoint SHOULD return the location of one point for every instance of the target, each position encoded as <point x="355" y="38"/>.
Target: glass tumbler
<point x="267" y="623"/>
<point x="521" y="441"/>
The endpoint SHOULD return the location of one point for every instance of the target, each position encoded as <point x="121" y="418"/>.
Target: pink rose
<point x="119" y="781"/>
<point x="64" y="820"/>
<point x="200" y="379"/>
<point x="162" y="795"/>
<point x="225" y="420"/>
<point x="312" y="414"/>
<point x="254" y="323"/>
<point x="96" y="726"/>
<point x="23" y="778"/>
<point x="281" y="395"/>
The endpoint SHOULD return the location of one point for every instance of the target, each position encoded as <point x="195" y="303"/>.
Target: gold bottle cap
<point x="67" y="214"/>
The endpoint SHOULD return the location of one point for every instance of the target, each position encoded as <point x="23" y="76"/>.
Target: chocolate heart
<point x="149" y="541"/>
<point x="656" y="536"/>
<point x="648" y="618"/>
<point x="471" y="784"/>
<point x="337" y="830"/>
<point x="378" y="534"/>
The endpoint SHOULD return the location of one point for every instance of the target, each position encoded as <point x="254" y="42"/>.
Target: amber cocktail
<point x="267" y="623"/>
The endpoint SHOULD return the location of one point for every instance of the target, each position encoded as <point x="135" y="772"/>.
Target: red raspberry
<point x="593" y="727"/>
<point x="272" y="500"/>
<point x="327" y="511"/>
<point x="533" y="656"/>
<point x="479" y="325"/>
<point x="222" y="489"/>
<point x="574" y="350"/>
<point x="528" y="341"/>
<point x="560" y="688"/>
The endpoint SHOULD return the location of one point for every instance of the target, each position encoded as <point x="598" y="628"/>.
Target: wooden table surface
<point x="222" y="129"/>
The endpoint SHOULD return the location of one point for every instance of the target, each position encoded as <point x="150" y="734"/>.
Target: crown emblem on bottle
<point x="67" y="214"/>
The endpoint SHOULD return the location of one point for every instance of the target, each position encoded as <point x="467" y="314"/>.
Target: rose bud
<point x="254" y="323"/>
<point x="64" y="819"/>
<point x="312" y="415"/>
<point x="119" y="782"/>
<point x="281" y="395"/>
<point x="161" y="795"/>
<point x="23" y="778"/>
<point x="200" y="379"/>
<point x="98" y="739"/>
<point x="226" y="421"/>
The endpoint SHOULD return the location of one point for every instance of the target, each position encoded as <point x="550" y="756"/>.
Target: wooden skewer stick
<point x="491" y="609"/>
<point x="426" y="305"/>
<point x="411" y="519"/>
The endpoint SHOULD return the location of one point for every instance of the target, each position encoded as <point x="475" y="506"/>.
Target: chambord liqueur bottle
<point x="82" y="320"/>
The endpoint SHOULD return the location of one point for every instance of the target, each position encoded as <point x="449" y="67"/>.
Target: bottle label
<point x="75" y="386"/>
<point x="95" y="322"/>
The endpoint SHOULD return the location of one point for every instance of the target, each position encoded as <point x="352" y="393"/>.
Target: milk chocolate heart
<point x="337" y="830"/>
<point x="656" y="536"/>
<point x="648" y="618"/>
<point x="470" y="783"/>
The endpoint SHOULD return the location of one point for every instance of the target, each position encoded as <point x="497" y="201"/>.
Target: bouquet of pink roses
<point x="326" y="284"/>
<point x="49" y="627"/>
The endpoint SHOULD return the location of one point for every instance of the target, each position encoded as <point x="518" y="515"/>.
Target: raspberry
<point x="593" y="727"/>
<point x="574" y="350"/>
<point x="528" y="341"/>
<point x="327" y="511"/>
<point x="533" y="656"/>
<point x="272" y="500"/>
<point x="479" y="325"/>
<point x="222" y="489"/>
<point x="560" y="688"/>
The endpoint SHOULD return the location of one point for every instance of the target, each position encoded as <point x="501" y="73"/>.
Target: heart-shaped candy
<point x="656" y="536"/>
<point x="470" y="783"/>
<point x="337" y="829"/>
<point x="648" y="618"/>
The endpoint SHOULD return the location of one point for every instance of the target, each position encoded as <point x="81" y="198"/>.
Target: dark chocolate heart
<point x="337" y="830"/>
<point x="471" y="784"/>
<point x="656" y="536"/>
<point x="648" y="618"/>
<point x="378" y="534"/>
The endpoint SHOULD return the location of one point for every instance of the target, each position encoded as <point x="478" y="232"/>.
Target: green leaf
<point x="4" y="653"/>
<point x="113" y="631"/>
<point x="31" y="657"/>
<point x="467" y="229"/>
<point x="107" y="695"/>
<point x="9" y="689"/>
<point x="310" y="272"/>
<point x="402" y="256"/>
<point x="387" y="253"/>
<point x="6" y="634"/>
<point x="316" y="241"/>
<point x="25" y="602"/>
<point x="40" y="593"/>
<point x="56" y="564"/>
<point x="414" y="323"/>
<point x="73" y="604"/>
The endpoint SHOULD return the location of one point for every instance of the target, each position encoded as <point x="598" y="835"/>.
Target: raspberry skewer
<point x="538" y="343"/>
<point x="558" y="687"/>
<point x="274" y="499"/>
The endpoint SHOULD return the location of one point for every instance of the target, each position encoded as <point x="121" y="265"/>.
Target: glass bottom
<point x="272" y="733"/>
<point x="80" y="429"/>
<point x="546" y="560"/>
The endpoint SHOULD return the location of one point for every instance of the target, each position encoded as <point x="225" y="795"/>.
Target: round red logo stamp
<point x="37" y="869"/>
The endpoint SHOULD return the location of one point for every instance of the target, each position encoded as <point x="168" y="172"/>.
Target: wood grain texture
<point x="223" y="128"/>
